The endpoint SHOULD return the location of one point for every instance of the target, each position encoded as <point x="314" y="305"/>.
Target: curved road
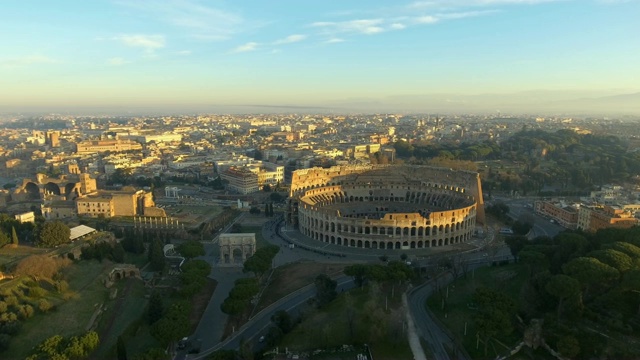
<point x="259" y="324"/>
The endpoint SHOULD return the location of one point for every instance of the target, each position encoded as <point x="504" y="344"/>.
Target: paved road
<point x="427" y="327"/>
<point x="259" y="324"/>
<point x="524" y="206"/>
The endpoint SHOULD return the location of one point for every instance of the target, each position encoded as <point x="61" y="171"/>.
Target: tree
<point x="156" y="308"/>
<point x="358" y="272"/>
<point x="121" y="349"/>
<point x="614" y="258"/>
<point x="40" y="266"/>
<point x="4" y="239"/>
<point x="266" y="210"/>
<point x="495" y="314"/>
<point x="14" y="236"/>
<point x="190" y="249"/>
<point x="535" y="260"/>
<point x="562" y="287"/>
<point x="266" y="188"/>
<point x="53" y="233"/>
<point x="590" y="272"/>
<point x="282" y="320"/>
<point x="156" y="255"/>
<point x="568" y="346"/>
<point x="117" y="253"/>
<point x="325" y="289"/>
<point x="276" y="197"/>
<point x="516" y="243"/>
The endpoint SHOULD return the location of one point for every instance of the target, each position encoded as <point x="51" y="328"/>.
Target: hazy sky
<point x="138" y="52"/>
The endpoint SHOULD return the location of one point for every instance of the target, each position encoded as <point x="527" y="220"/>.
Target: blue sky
<point x="183" y="53"/>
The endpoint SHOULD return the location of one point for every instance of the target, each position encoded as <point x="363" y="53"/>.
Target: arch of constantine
<point x="386" y="206"/>
<point x="236" y="245"/>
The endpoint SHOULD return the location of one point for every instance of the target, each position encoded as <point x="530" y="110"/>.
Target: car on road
<point x="261" y="339"/>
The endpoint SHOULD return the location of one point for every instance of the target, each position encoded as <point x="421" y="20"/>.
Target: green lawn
<point x="128" y="306"/>
<point x="372" y="324"/>
<point x="456" y="313"/>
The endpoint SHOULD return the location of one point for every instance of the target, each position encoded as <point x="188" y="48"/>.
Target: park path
<point x="414" y="339"/>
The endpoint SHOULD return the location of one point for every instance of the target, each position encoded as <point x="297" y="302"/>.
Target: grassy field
<point x="456" y="313"/>
<point x="70" y="317"/>
<point x="329" y="327"/>
<point x="128" y="305"/>
<point x="289" y="278"/>
<point x="260" y="241"/>
<point x="10" y="256"/>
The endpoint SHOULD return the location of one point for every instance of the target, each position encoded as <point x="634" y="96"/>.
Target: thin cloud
<point x="116" y="61"/>
<point x="290" y="39"/>
<point x="199" y="21"/>
<point x="451" y="4"/>
<point x="26" y="61"/>
<point x="358" y="26"/>
<point x="184" y="52"/>
<point x="250" y="46"/>
<point x="149" y="43"/>
<point x="334" y="41"/>
<point x="397" y="26"/>
<point x="427" y="19"/>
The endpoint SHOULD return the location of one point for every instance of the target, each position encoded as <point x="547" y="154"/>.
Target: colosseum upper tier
<point x="386" y="206"/>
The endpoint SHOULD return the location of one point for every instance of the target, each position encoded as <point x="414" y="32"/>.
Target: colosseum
<point x="386" y="206"/>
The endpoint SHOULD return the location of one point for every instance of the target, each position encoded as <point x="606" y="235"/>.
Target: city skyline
<point x="466" y="55"/>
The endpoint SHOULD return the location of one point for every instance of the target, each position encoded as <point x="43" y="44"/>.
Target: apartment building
<point x="596" y="217"/>
<point x="241" y="180"/>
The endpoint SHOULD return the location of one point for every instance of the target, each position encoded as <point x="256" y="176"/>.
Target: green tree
<point x="53" y="233"/>
<point x="358" y="272"/>
<point x="614" y="258"/>
<point x="535" y="260"/>
<point x="190" y="249"/>
<point x="4" y="239"/>
<point x="282" y="320"/>
<point x="276" y="197"/>
<point x="121" y="349"/>
<point x="495" y="314"/>
<point x="568" y="346"/>
<point x="325" y="289"/>
<point x="590" y="272"/>
<point x="155" y="309"/>
<point x="14" y="236"/>
<point x="117" y="253"/>
<point x="562" y="287"/>
<point x="156" y="255"/>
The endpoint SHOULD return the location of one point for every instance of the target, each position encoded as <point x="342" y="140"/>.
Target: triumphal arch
<point x="235" y="249"/>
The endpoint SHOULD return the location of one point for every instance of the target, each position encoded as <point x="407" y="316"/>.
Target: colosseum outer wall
<point x="317" y="196"/>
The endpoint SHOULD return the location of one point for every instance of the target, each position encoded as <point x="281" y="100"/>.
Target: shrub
<point x="37" y="292"/>
<point x="26" y="311"/>
<point x="44" y="305"/>
<point x="62" y="286"/>
<point x="11" y="300"/>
